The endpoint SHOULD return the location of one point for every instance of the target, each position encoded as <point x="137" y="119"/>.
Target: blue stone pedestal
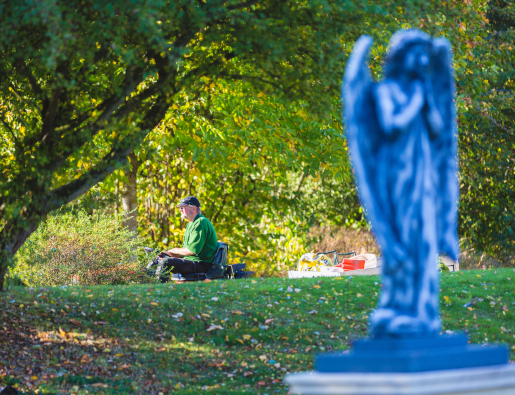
<point x="412" y="355"/>
<point x="443" y="365"/>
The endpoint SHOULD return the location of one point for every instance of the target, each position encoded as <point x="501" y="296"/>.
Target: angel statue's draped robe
<point x="401" y="133"/>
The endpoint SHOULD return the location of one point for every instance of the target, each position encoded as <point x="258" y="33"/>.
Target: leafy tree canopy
<point x="83" y="82"/>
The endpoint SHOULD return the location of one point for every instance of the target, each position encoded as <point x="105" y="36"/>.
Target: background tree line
<point x="236" y="102"/>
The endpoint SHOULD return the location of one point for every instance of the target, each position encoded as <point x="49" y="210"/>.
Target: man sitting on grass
<point x="199" y="244"/>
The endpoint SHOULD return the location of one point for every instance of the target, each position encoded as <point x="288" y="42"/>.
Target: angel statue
<point x="402" y="139"/>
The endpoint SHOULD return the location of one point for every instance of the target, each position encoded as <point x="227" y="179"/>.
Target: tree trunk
<point x="3" y="272"/>
<point x="10" y="242"/>
<point x="130" y="194"/>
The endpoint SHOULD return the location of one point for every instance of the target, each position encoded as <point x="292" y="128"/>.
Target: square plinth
<point x="412" y="355"/>
<point x="490" y="380"/>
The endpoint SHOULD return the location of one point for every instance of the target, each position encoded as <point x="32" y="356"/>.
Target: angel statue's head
<point x="408" y="54"/>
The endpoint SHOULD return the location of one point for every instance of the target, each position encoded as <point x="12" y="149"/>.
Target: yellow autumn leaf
<point x="115" y="310"/>
<point x="153" y="303"/>
<point x="316" y="286"/>
<point x="447" y="299"/>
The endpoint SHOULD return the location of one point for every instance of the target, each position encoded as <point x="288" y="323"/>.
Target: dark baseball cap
<point x="189" y="201"/>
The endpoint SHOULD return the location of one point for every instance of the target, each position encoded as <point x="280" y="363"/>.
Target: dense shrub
<point x="76" y="248"/>
<point x="360" y="241"/>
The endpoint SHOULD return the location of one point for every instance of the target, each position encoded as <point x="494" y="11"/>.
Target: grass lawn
<point x="221" y="337"/>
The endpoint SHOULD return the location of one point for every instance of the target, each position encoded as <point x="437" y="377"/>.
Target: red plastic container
<point x="352" y="264"/>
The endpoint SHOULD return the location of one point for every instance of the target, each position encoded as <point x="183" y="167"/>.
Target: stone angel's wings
<point x="445" y="151"/>
<point x="364" y="137"/>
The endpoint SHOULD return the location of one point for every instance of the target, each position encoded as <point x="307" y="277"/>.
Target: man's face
<point x="188" y="212"/>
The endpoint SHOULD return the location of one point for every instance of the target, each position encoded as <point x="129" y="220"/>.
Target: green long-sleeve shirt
<point x="200" y="238"/>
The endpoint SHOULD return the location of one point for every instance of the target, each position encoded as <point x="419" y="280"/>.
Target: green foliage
<point x="265" y="168"/>
<point x="487" y="135"/>
<point x="441" y="266"/>
<point x="84" y="82"/>
<point x="76" y="248"/>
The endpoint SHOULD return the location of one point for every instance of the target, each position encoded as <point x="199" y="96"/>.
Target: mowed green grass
<point x="220" y="337"/>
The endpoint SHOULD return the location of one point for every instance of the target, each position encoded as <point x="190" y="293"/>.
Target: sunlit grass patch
<point x="229" y="337"/>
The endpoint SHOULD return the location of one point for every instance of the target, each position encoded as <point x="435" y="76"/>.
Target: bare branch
<point x="110" y="162"/>
<point x="510" y="132"/>
<point x="25" y="71"/>
<point x="251" y="77"/>
<point x="8" y="127"/>
<point x="50" y="112"/>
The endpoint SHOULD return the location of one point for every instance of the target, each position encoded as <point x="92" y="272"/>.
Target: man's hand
<point x="179" y="252"/>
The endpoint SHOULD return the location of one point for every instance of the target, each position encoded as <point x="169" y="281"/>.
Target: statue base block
<point x="490" y="380"/>
<point x="412" y="355"/>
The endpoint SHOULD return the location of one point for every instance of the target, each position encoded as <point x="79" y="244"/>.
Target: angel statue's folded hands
<point x="395" y="110"/>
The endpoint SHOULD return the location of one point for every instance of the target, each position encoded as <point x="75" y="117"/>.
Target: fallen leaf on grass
<point x="99" y="323"/>
<point x="75" y="322"/>
<point x="269" y="321"/>
<point x="154" y="304"/>
<point x="100" y="385"/>
<point x="160" y="350"/>
<point x="214" y="299"/>
<point x="358" y="295"/>
<point x="241" y="341"/>
<point x="213" y="327"/>
<point x="313" y="312"/>
<point x="237" y="312"/>
<point x="316" y="286"/>
<point x="246" y="337"/>
<point x="247" y="374"/>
